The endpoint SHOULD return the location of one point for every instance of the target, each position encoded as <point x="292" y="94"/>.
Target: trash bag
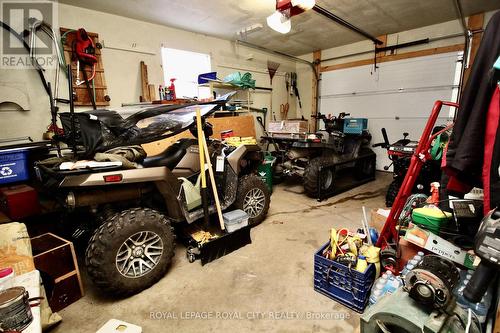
<point x="101" y="130"/>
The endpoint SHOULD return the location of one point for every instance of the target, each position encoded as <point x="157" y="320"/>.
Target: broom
<point x="272" y="67"/>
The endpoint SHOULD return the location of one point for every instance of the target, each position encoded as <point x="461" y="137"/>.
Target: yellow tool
<point x="372" y="254"/>
<point x="203" y="191"/>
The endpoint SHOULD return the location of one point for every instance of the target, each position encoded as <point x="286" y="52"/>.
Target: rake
<point x="272" y="67"/>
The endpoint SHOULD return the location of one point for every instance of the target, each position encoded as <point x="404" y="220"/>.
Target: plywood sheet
<point x="241" y="126"/>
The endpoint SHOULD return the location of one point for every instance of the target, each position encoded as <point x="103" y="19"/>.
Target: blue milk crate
<point x="13" y="166"/>
<point x="341" y="283"/>
<point x="355" y="125"/>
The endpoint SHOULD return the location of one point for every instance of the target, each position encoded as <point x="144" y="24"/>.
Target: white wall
<point x="122" y="72"/>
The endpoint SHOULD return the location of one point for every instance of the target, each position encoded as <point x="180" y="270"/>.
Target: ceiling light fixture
<point x="304" y="4"/>
<point x="280" y="22"/>
<point x="285" y="9"/>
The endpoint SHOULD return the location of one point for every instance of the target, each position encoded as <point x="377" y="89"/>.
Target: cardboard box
<point x="407" y="251"/>
<point x="378" y="218"/>
<point x="288" y="126"/>
<point x="435" y="244"/>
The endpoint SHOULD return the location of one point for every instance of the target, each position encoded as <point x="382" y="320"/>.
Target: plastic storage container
<point x="235" y="220"/>
<point x="341" y="283"/>
<point x="13" y="166"/>
<point x="432" y="219"/>
<point x="355" y="125"/>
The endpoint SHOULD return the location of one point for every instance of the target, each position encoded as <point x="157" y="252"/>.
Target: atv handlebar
<point x="341" y="115"/>
<point x="386" y="142"/>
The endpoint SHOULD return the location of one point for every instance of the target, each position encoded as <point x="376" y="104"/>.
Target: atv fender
<point x="238" y="154"/>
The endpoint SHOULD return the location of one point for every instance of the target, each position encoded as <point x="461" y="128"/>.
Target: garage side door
<point x="398" y="96"/>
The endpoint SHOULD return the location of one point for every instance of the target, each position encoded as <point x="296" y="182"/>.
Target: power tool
<point x="487" y="247"/>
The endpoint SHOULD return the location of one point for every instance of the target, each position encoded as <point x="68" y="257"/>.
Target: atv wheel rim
<point x="254" y="202"/>
<point x="327" y="180"/>
<point x="139" y="254"/>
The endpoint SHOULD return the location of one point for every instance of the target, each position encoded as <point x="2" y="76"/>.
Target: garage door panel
<point x="346" y="81"/>
<point x="379" y="98"/>
<point x="430" y="71"/>
<point x="418" y="72"/>
<point x="388" y="106"/>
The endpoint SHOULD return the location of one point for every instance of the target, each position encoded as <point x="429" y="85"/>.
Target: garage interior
<point x="265" y="165"/>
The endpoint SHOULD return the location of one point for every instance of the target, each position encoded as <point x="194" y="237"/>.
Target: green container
<point x="265" y="170"/>
<point x="430" y="218"/>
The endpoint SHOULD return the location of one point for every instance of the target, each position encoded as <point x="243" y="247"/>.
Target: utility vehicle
<point x="323" y="159"/>
<point x="133" y="211"/>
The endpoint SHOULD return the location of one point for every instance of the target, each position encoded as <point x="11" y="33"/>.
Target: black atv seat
<point x="171" y="156"/>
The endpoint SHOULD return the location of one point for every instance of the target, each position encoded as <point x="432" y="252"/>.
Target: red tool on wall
<point x="389" y="232"/>
<point x="84" y="53"/>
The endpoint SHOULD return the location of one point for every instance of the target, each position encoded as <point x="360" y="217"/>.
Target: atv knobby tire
<point x="311" y="176"/>
<point x="253" y="198"/>
<point x="132" y="226"/>
<point x="392" y="193"/>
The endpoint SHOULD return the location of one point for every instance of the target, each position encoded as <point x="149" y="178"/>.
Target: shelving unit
<point x="214" y="85"/>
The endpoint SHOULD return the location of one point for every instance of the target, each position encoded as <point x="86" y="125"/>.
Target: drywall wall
<point x="433" y="31"/>
<point x="127" y="42"/>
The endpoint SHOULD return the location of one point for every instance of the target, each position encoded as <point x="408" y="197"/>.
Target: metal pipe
<point x="282" y="54"/>
<point x="341" y="21"/>
<point x="403" y="45"/>
<point x="434" y="39"/>
<point x="468" y="37"/>
<point x="72" y="112"/>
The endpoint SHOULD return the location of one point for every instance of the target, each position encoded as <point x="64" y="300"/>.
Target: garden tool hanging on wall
<point x="272" y="67"/>
<point x="293" y="82"/>
<point x="84" y="53"/>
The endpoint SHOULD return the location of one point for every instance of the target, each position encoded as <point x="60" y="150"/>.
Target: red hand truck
<point x="389" y="232"/>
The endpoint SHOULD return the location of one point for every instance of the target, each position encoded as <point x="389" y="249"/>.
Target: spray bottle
<point x="434" y="198"/>
<point x="172" y="90"/>
<point x="160" y="91"/>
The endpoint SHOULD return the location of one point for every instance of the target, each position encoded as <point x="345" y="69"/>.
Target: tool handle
<point x="214" y="185"/>
<point x="485" y="273"/>
<point x="200" y="133"/>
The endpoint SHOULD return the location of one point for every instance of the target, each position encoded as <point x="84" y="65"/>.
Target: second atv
<point x="327" y="159"/>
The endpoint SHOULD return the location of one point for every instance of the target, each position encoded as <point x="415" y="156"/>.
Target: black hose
<point x="89" y="89"/>
<point x="27" y="47"/>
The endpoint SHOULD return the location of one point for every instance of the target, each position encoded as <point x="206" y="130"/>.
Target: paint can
<point x="15" y="309"/>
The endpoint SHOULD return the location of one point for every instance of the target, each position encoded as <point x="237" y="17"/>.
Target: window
<point x="185" y="66"/>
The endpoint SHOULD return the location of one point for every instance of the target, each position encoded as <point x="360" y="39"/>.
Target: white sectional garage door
<point x="398" y="96"/>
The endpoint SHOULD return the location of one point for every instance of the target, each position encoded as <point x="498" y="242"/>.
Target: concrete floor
<point x="266" y="286"/>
